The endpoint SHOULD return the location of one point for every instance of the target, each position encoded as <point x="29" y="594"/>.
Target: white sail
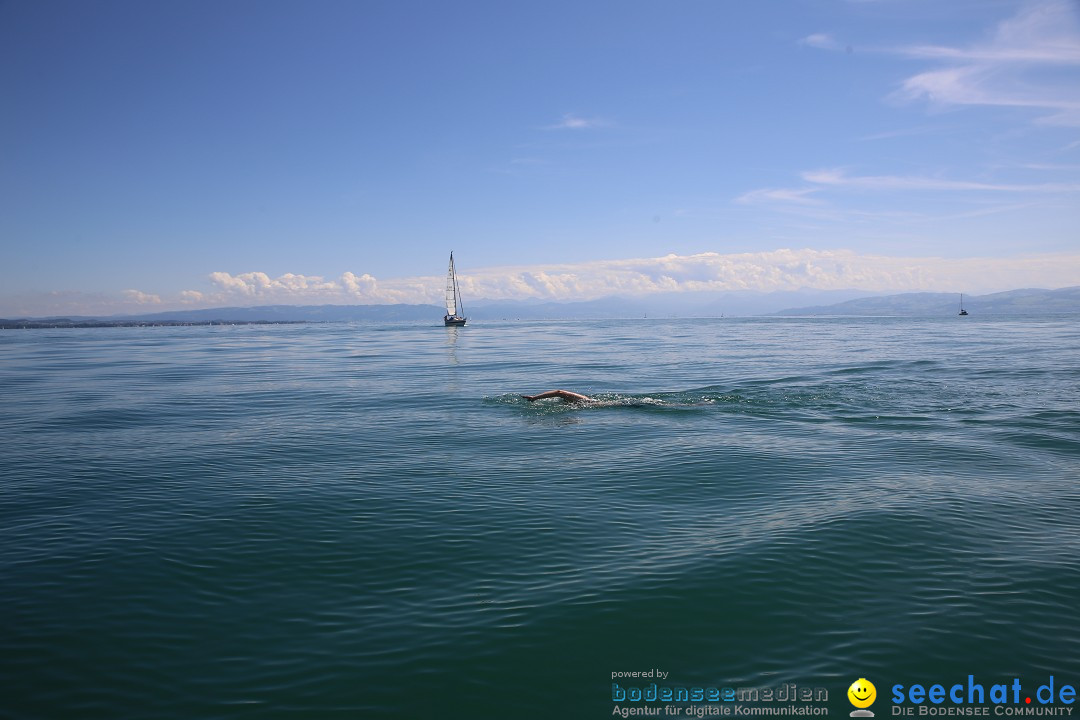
<point x="451" y="290"/>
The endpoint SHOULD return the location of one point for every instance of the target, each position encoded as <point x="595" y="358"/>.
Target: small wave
<point x="822" y="401"/>
<point x="669" y="401"/>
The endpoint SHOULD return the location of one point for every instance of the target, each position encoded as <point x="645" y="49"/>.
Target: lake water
<point x="366" y="521"/>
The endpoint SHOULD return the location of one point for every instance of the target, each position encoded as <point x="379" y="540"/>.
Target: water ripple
<point x="315" y="521"/>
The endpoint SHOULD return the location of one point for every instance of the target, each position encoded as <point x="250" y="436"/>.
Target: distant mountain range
<point x="1012" y="302"/>
<point x="258" y="314"/>
<point x="665" y="305"/>
<point x="659" y="305"/>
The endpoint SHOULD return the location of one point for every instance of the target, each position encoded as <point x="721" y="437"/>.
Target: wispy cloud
<point x="1026" y="64"/>
<point x="1052" y="167"/>
<point x="1062" y="54"/>
<point x="800" y="196"/>
<point x="900" y="133"/>
<point x="822" y="41"/>
<point x="840" y="178"/>
<point x="572" y="121"/>
<point x="824" y="184"/>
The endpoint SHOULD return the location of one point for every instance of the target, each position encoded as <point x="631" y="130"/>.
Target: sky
<point x="165" y="155"/>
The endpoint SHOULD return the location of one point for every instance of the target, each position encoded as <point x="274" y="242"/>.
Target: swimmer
<point x="570" y="397"/>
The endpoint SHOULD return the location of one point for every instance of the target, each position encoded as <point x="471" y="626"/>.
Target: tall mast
<point x="457" y="290"/>
<point x="451" y="289"/>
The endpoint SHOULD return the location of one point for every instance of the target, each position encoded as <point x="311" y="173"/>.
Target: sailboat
<point x="962" y="310"/>
<point x="454" y="310"/>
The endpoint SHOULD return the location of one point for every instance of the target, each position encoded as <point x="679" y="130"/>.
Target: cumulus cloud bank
<point x="140" y="298"/>
<point x="760" y="271"/>
<point x="710" y="271"/>
<point x="294" y="288"/>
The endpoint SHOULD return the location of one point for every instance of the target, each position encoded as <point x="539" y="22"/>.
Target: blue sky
<point x="189" y="154"/>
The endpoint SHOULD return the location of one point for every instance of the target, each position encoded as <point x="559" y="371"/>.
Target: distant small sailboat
<point x="454" y="311"/>
<point x="962" y="310"/>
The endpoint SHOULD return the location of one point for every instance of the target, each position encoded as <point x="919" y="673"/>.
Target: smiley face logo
<point x="862" y="694"/>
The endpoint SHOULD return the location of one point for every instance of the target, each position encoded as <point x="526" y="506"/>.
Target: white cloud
<point x="836" y="177"/>
<point x="141" y="298"/>
<point x="822" y="41"/>
<point x="799" y="196"/>
<point x="261" y="285"/>
<point x="1005" y="71"/>
<point x="295" y="288"/>
<point x="571" y="121"/>
<point x="793" y="269"/>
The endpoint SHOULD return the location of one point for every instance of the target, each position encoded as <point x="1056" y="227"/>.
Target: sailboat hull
<point x="453" y="320"/>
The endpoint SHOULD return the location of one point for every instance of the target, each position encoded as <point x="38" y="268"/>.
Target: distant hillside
<point x="660" y="305"/>
<point x="1012" y="302"/>
<point x="309" y="313"/>
<point x="64" y="322"/>
<point x="263" y="313"/>
<point x="657" y="305"/>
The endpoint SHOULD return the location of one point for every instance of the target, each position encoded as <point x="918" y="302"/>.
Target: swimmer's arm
<point x="563" y="394"/>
